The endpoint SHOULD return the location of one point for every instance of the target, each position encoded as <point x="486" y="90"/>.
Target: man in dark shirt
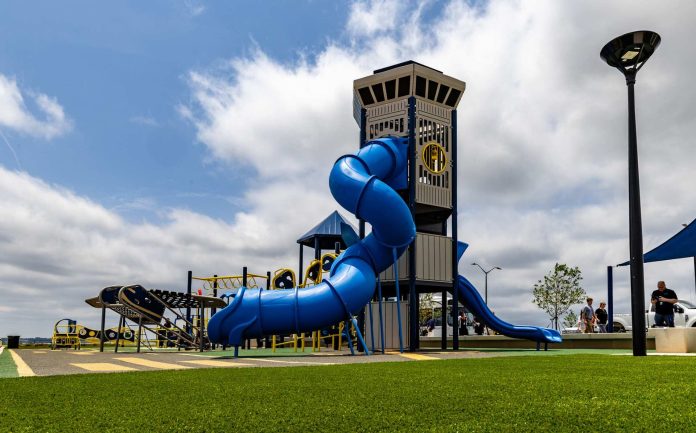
<point x="663" y="299"/>
<point x="602" y="316"/>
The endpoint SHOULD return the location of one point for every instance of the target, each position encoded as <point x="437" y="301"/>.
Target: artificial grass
<point x="554" y="393"/>
<point x="7" y="365"/>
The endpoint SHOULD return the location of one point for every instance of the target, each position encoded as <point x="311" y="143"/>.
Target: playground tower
<point x="420" y="103"/>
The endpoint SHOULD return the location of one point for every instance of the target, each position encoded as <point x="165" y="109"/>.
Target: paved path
<point x="58" y="362"/>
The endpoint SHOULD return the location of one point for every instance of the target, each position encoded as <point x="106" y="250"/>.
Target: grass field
<point x="554" y="393"/>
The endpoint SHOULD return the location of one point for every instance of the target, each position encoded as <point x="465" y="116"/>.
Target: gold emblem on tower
<point x="434" y="157"/>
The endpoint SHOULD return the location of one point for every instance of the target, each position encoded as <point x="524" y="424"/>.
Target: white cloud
<point x="370" y="17"/>
<point x="542" y="158"/>
<point x="194" y="8"/>
<point x="542" y="128"/>
<point x="281" y="121"/>
<point x="15" y="115"/>
<point x="59" y="248"/>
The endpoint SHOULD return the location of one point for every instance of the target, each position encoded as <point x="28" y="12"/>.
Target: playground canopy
<point x="326" y="233"/>
<point x="679" y="246"/>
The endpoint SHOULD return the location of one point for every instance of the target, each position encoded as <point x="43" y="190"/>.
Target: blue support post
<point x="610" y="298"/>
<point x="381" y="314"/>
<point x="245" y="279"/>
<point x="361" y="340"/>
<point x="412" y="292"/>
<point x="188" y="309"/>
<point x="361" y="222"/>
<point x="372" y="326"/>
<point x="300" y="269"/>
<point x="398" y="301"/>
<point x="455" y="262"/>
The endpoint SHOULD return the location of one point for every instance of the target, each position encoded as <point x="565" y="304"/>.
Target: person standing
<point x="478" y="326"/>
<point x="602" y="317"/>
<point x="589" y="316"/>
<point x="463" y="329"/>
<point x="663" y="299"/>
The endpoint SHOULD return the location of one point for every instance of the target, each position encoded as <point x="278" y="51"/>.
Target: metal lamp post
<point x="485" y="286"/>
<point x="628" y="53"/>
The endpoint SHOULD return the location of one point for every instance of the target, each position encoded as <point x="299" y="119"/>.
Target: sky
<point x="142" y="140"/>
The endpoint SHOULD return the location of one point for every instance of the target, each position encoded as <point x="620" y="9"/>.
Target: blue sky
<point x="153" y="138"/>
<point x="119" y="70"/>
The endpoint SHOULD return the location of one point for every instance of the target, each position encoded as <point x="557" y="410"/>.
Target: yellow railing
<point x="65" y="335"/>
<point x="295" y="341"/>
<point x="230" y="282"/>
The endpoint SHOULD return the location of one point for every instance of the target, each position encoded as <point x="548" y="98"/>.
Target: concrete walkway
<point x="31" y="362"/>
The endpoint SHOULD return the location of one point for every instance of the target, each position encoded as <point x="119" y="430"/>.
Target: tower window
<point x="390" y="87"/>
<point x="453" y="96"/>
<point x="420" y="86"/>
<point x="432" y="88"/>
<point x="404" y="85"/>
<point x="378" y="91"/>
<point x="366" y="95"/>
<point x="442" y="93"/>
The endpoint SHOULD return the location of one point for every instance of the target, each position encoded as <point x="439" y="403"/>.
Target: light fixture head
<point x="628" y="53"/>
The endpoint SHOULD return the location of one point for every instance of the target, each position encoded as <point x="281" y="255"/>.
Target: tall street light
<point x="485" y="287"/>
<point x="628" y="53"/>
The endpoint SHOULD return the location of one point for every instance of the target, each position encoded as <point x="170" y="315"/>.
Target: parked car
<point x="684" y="316"/>
<point x="576" y="330"/>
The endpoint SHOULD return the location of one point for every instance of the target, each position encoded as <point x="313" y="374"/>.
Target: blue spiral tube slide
<point x="470" y="297"/>
<point x="363" y="184"/>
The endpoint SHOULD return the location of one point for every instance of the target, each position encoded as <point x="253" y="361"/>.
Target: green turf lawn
<point x="518" y="394"/>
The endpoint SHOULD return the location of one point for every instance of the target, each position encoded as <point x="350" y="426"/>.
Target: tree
<point x="570" y="320"/>
<point x="427" y="310"/>
<point x="559" y="290"/>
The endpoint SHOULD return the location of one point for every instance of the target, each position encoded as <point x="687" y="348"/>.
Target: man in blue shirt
<point x="588" y="315"/>
<point x="663" y="299"/>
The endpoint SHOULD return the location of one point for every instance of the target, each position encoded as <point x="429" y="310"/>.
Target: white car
<point x="576" y="330"/>
<point x="684" y="316"/>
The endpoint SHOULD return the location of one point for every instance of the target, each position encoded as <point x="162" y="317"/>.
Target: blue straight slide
<point x="470" y="297"/>
<point x="364" y="185"/>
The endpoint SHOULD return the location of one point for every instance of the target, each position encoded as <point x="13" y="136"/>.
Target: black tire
<point x="618" y="328"/>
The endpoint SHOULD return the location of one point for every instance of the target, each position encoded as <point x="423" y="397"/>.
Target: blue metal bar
<point x="381" y="315"/>
<point x="398" y="301"/>
<point x="360" y="336"/>
<point x="372" y="326"/>
<point x="300" y="270"/>
<point x="412" y="293"/>
<point x="610" y="298"/>
<point x="455" y="261"/>
<point x="189" y="319"/>
<point x="361" y="224"/>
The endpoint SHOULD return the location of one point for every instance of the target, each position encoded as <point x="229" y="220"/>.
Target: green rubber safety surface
<point x="7" y="365"/>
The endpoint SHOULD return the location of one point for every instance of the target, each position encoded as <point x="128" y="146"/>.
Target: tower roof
<point x="327" y="232"/>
<point x="404" y="80"/>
